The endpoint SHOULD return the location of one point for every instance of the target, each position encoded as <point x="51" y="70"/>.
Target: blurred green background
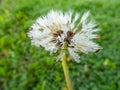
<point x="25" y="67"/>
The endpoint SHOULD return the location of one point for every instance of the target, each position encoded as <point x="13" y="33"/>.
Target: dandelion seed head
<point x="57" y="28"/>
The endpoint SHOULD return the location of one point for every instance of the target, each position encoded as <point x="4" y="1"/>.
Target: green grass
<point x="25" y="67"/>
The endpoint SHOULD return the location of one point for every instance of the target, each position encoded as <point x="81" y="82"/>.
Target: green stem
<point x="65" y="69"/>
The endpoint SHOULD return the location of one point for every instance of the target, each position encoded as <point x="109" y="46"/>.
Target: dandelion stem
<point x="65" y="69"/>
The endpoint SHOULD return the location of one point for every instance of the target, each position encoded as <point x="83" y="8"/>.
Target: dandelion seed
<point x="56" y="29"/>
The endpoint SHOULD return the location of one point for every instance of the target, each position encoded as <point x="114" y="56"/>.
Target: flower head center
<point x="60" y="37"/>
